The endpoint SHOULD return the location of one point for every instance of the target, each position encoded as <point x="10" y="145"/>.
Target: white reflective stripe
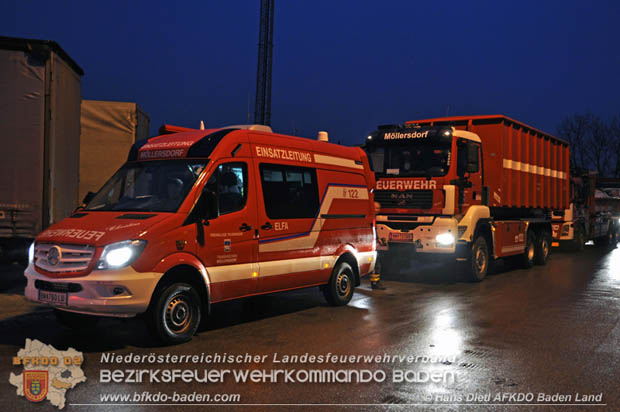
<point x="282" y="267"/>
<point x="272" y="268"/>
<point x="231" y="272"/>
<point x="365" y="257"/>
<point x="308" y="241"/>
<point x="517" y="248"/>
<point x="528" y="168"/>
<point x="337" y="161"/>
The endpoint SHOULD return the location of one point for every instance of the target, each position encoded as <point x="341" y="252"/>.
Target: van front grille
<point x="63" y="258"/>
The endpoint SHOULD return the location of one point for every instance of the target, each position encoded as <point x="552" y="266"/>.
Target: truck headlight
<point x="120" y="254"/>
<point x="445" y="239"/>
<point x="31" y="254"/>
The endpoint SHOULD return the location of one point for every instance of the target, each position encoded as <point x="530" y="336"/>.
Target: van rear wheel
<point x="174" y="314"/>
<point x="339" y="290"/>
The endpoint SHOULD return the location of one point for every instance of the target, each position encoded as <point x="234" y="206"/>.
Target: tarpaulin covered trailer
<point x="40" y="94"/>
<point x="109" y="129"/>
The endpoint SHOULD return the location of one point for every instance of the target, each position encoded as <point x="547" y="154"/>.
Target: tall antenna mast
<point x="262" y="107"/>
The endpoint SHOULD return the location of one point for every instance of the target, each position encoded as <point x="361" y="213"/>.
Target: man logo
<point x="35" y="385"/>
<point x="401" y="199"/>
<point x="54" y="255"/>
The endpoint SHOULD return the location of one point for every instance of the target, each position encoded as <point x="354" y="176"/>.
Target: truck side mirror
<point x="473" y="165"/>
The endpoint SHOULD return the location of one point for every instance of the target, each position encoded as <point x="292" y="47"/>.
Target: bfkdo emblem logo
<point x="35" y="385"/>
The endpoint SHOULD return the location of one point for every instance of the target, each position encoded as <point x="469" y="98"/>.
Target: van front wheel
<point x="339" y="290"/>
<point x="174" y="315"/>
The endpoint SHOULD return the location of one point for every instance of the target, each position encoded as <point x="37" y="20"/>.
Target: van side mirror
<point x="89" y="196"/>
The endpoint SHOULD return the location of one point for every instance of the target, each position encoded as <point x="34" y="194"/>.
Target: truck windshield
<point x="420" y="159"/>
<point x="153" y="186"/>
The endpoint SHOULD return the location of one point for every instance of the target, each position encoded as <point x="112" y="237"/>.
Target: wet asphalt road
<point x="552" y="329"/>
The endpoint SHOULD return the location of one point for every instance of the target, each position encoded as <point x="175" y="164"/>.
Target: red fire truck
<point x="472" y="188"/>
<point x="593" y="214"/>
<point x="204" y="216"/>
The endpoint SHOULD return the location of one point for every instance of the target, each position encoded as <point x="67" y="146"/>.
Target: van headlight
<point x="445" y="239"/>
<point x="120" y="254"/>
<point x="31" y="254"/>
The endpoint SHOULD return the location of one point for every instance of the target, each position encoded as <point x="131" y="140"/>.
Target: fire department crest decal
<point x="46" y="373"/>
<point x="35" y="385"/>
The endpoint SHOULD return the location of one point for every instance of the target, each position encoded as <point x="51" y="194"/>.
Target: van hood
<point x="101" y="228"/>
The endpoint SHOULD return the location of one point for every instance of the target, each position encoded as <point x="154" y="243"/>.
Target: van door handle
<point x="267" y="226"/>
<point x="244" y="227"/>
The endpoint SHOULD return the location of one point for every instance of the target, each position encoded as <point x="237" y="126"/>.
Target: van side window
<point x="230" y="183"/>
<point x="289" y="192"/>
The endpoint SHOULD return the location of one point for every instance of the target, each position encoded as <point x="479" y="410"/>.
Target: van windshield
<point x="152" y="186"/>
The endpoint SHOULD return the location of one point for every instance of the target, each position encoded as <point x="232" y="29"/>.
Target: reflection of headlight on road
<point x="120" y="254"/>
<point x="31" y="254"/>
<point x="445" y="239"/>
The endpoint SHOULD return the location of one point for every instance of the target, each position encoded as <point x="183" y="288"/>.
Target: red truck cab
<point x="204" y="216"/>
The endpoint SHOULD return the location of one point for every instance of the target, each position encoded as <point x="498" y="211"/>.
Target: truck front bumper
<point x="421" y="236"/>
<point x="117" y="293"/>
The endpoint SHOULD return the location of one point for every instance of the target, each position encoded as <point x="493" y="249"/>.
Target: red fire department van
<point x="204" y="216"/>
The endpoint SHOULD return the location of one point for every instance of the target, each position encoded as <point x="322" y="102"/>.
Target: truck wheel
<point x="76" y="321"/>
<point x="339" y="290"/>
<point x="579" y="241"/>
<point x="480" y="259"/>
<point x="174" y="314"/>
<point x="611" y="238"/>
<point x="527" y="258"/>
<point x="543" y="248"/>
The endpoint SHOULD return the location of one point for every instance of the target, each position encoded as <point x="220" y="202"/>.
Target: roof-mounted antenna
<point x="202" y="125"/>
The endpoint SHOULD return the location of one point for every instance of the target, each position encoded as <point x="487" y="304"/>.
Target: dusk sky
<point x="340" y="66"/>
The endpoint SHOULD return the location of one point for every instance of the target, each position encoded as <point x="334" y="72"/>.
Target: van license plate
<point x="56" y="298"/>
<point x="401" y="237"/>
